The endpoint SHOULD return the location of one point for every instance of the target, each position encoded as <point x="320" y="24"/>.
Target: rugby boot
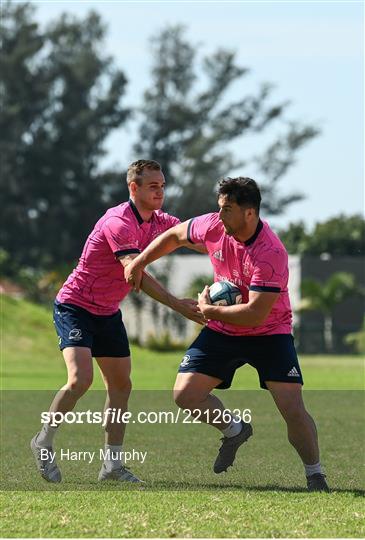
<point x="317" y="482"/>
<point x="121" y="474"/>
<point x="48" y="469"/>
<point x="230" y="445"/>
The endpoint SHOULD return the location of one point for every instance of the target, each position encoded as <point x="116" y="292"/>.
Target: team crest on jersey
<point x="246" y="269"/>
<point x="218" y="255"/>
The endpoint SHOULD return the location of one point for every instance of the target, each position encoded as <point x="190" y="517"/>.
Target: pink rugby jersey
<point x="259" y="264"/>
<point x="97" y="283"/>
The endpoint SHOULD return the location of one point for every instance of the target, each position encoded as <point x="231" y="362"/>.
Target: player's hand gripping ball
<point x="224" y="293"/>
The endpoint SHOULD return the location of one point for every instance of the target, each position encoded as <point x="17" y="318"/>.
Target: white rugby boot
<point x="47" y="468"/>
<point x="120" y="474"/>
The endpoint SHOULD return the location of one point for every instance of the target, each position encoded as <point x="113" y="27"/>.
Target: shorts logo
<point x="293" y="373"/>
<point x="185" y="361"/>
<point x="75" y="334"/>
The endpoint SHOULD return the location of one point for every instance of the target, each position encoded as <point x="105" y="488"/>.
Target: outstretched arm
<point x="162" y="245"/>
<point x="186" y="307"/>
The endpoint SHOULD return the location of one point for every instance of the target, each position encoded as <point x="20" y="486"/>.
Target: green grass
<point x="30" y="359"/>
<point x="262" y="496"/>
<point x="229" y="514"/>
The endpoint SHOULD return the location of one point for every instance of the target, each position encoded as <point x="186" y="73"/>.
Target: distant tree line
<point x="62" y="96"/>
<point x="338" y="236"/>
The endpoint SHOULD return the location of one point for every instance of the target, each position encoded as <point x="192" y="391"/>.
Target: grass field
<point x="263" y="495"/>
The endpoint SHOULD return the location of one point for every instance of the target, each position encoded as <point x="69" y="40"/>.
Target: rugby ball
<point x="225" y="293"/>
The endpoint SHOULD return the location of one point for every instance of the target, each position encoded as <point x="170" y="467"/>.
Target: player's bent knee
<point x="185" y="399"/>
<point x="80" y="384"/>
<point x="122" y="386"/>
<point x="182" y="401"/>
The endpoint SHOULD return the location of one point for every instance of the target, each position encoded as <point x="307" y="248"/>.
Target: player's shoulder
<point x="206" y="227"/>
<point x="165" y="218"/>
<point x="269" y="240"/>
<point x="117" y="216"/>
<point x="121" y="210"/>
<point x="209" y="221"/>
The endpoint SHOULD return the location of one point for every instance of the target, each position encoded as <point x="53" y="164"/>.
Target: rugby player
<point x="87" y="316"/>
<point x="243" y="250"/>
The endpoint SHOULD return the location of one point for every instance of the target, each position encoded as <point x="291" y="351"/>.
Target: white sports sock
<point x="313" y="469"/>
<point x="112" y="456"/>
<point x="234" y="428"/>
<point x="46" y="435"/>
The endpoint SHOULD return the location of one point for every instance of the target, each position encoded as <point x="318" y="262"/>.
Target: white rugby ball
<point x="225" y="293"/>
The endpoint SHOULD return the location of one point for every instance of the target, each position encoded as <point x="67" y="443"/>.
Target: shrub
<point x="357" y="339"/>
<point x="164" y="342"/>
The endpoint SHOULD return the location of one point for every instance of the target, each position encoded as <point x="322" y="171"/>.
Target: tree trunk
<point x="328" y="333"/>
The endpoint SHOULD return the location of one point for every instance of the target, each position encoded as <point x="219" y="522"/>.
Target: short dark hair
<point x="135" y="169"/>
<point x="243" y="191"/>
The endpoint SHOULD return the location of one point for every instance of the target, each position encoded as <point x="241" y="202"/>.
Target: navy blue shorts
<point x="219" y="355"/>
<point x="105" y="335"/>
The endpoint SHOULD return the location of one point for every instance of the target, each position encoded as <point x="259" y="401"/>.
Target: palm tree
<point x="324" y="297"/>
<point x="357" y="339"/>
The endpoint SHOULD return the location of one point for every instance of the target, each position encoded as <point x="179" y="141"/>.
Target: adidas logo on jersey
<point x="293" y="373"/>
<point x="218" y="255"/>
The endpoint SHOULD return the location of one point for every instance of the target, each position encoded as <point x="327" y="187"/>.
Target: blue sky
<point x="311" y="51"/>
